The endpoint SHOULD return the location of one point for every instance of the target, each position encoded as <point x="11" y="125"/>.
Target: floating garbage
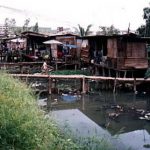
<point x="42" y="102"/>
<point x="69" y="98"/>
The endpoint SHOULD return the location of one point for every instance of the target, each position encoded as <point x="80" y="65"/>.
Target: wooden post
<point x="134" y="85"/>
<point x="87" y="86"/>
<point x="75" y="67"/>
<point x="116" y="73"/>
<point x="109" y="73"/>
<point x="49" y="100"/>
<point x="96" y="70"/>
<point x="83" y="85"/>
<point x="125" y="73"/>
<point x="83" y="102"/>
<point x="56" y="66"/>
<point x="103" y="71"/>
<point x="20" y="69"/>
<point x="114" y="98"/>
<point x="49" y="85"/>
<point x="115" y="83"/>
<point x="119" y="74"/>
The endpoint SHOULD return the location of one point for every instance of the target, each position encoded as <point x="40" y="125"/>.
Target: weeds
<point x="23" y="125"/>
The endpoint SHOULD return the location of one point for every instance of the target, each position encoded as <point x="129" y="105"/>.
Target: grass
<point x="70" y="72"/>
<point x="23" y="126"/>
<point x="22" y="123"/>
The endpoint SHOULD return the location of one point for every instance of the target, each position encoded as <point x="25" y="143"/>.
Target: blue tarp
<point x="69" y="98"/>
<point x="70" y="45"/>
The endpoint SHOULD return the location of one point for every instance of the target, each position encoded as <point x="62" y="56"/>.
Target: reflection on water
<point x="129" y="129"/>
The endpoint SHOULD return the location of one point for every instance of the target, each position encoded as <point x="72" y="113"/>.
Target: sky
<point x="70" y="13"/>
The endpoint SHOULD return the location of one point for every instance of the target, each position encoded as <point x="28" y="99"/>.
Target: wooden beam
<point x="80" y="77"/>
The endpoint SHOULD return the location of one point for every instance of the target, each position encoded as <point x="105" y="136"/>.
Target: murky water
<point x="114" y="113"/>
<point x="132" y="131"/>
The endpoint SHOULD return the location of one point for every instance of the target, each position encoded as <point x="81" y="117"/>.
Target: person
<point x="45" y="67"/>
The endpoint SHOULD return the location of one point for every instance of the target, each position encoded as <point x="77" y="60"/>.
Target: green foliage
<point x="70" y="72"/>
<point x="26" y="25"/>
<point x="141" y="30"/>
<point x="108" y="30"/>
<point x="144" y="30"/>
<point x="83" y="32"/>
<point x="88" y="143"/>
<point x="9" y="25"/>
<point x="22" y="125"/>
<point x="147" y="73"/>
<point x="36" y="27"/>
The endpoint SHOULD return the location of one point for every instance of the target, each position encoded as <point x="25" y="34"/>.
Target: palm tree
<point x="83" y="32"/>
<point x="87" y="31"/>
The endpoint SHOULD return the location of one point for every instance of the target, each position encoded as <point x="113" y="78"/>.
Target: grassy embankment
<point x="22" y="123"/>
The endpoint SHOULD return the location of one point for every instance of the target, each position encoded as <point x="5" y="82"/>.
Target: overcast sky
<point x="70" y="13"/>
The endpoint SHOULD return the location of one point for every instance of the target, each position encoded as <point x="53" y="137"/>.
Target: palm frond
<point x="88" y="29"/>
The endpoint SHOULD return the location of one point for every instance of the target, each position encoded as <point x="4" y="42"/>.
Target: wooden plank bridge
<point x="84" y="78"/>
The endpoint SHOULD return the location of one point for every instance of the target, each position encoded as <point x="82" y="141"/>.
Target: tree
<point x="36" y="27"/>
<point x="108" y="30"/>
<point x="87" y="31"/>
<point x="82" y="31"/>
<point x="26" y="25"/>
<point x="141" y="30"/>
<point x="6" y="24"/>
<point x="12" y="25"/>
<point x="18" y="31"/>
<point x="9" y="26"/>
<point x="144" y="30"/>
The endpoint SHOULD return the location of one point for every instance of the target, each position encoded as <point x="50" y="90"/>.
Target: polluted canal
<point x="122" y="118"/>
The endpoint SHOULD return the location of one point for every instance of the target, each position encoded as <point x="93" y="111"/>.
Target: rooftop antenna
<point x="129" y="28"/>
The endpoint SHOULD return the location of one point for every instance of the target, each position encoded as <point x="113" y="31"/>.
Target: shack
<point x="127" y="53"/>
<point x="116" y="55"/>
<point x="34" y="43"/>
<point x="93" y="48"/>
<point x="71" y="46"/>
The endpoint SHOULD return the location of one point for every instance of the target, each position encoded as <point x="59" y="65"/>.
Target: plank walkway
<point x="83" y="78"/>
<point x="80" y="77"/>
<point x="20" y="63"/>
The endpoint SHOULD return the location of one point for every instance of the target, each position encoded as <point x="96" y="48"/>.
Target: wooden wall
<point x="136" y="55"/>
<point x="128" y="54"/>
<point x="85" y="54"/>
<point x="112" y="48"/>
<point x="136" y="50"/>
<point x="137" y="63"/>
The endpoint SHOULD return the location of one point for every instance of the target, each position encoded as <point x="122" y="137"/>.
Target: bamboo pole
<point x="134" y="85"/>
